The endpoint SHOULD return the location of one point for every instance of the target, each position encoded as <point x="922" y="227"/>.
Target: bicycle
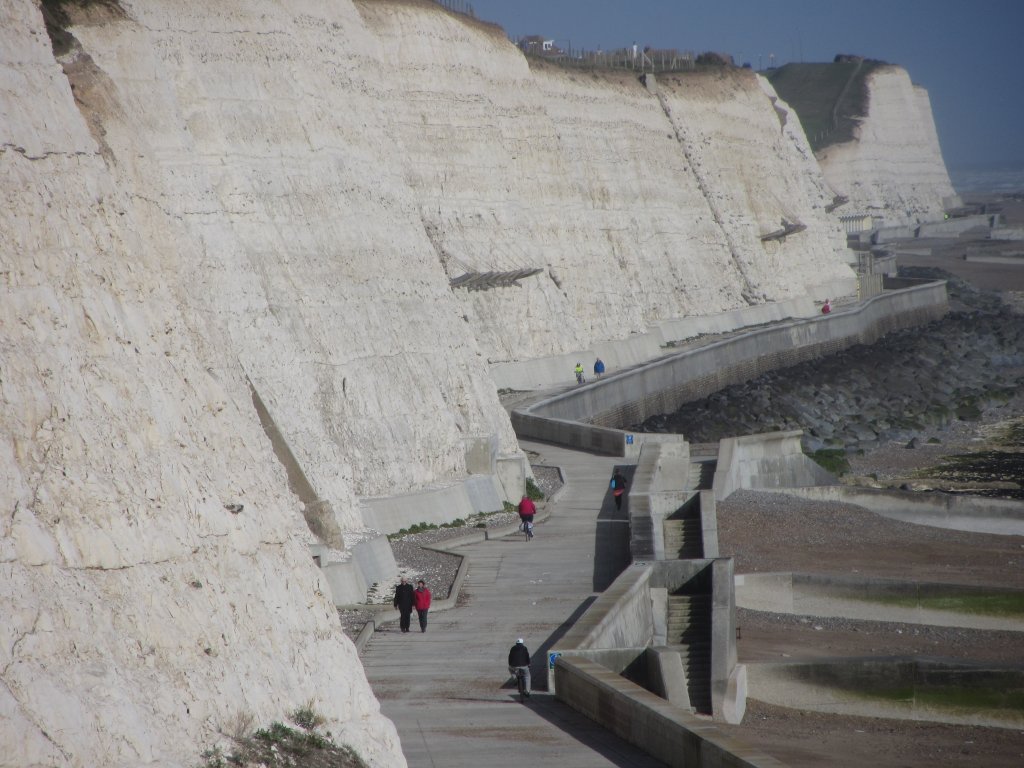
<point x="527" y="528"/>
<point x="521" y="684"/>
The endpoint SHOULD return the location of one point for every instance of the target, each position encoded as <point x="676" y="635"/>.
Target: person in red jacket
<point x="421" y="596"/>
<point x="527" y="509"/>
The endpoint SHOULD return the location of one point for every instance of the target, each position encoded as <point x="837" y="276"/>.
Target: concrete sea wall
<point x="595" y="416"/>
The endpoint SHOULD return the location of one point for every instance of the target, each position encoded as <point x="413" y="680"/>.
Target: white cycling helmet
<point x="519" y="640"/>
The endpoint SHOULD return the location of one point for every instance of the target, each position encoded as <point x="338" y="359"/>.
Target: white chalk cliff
<point x="226" y="241"/>
<point x="893" y="168"/>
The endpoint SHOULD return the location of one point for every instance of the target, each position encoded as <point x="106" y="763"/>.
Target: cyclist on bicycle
<point x="519" y="658"/>
<point x="527" y="509"/>
<point x="578" y="370"/>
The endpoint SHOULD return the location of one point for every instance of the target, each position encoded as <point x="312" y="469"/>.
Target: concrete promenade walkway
<point x="447" y="689"/>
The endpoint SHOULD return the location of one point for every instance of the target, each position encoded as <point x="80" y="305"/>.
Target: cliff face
<point x="893" y="169"/>
<point x="638" y="203"/>
<point x="140" y="615"/>
<point x="227" y="236"/>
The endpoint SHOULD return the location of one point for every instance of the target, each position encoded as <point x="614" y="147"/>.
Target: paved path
<point x="447" y="689"/>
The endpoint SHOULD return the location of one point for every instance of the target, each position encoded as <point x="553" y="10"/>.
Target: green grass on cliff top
<point x="828" y="98"/>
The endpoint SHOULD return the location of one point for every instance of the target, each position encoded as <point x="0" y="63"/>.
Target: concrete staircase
<point x="683" y="535"/>
<point x="689" y="631"/>
<point x="702" y="475"/>
<point x="683" y="539"/>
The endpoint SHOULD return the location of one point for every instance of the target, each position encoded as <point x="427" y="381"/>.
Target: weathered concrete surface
<point x="448" y="689"/>
<point x="900" y="688"/>
<point x="867" y="599"/>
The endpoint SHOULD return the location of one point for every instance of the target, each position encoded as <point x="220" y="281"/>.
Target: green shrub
<point x="308" y="718"/>
<point x="535" y="493"/>
<point x="291" y="740"/>
<point x="832" y="459"/>
<point x="280" y="746"/>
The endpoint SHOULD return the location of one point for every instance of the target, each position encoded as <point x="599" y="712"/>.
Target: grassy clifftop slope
<point x="829" y="98"/>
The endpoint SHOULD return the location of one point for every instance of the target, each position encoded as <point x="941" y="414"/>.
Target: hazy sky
<point x="968" y="54"/>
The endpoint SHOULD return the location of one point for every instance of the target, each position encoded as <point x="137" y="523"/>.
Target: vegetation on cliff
<point x="830" y="99"/>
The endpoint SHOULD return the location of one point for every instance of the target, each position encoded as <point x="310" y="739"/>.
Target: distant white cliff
<point x="227" y="327"/>
<point x="893" y="168"/>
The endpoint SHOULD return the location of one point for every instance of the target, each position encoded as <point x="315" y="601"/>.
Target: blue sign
<point x="552" y="657"/>
<point x="629" y="439"/>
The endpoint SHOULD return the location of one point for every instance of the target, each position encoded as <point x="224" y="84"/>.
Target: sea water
<point x="987" y="180"/>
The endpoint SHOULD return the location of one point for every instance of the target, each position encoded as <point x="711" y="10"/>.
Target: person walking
<point x="421" y="596"/>
<point x="598" y="368"/>
<point x="519" y="658"/>
<point x="618" y="486"/>
<point x="405" y="599"/>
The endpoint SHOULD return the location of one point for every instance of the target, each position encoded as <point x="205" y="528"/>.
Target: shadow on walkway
<point x="611" y="544"/>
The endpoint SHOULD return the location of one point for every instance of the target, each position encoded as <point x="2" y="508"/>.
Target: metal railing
<point x="458" y="6"/>
<point x="631" y="59"/>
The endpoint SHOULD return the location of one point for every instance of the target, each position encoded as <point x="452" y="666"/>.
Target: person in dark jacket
<point x="405" y="599"/>
<point x="422" y="602"/>
<point x="618" y="486"/>
<point x="519" y="658"/>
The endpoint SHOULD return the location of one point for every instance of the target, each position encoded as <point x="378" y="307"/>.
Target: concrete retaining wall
<point x="667" y="732"/>
<point x="542" y="373"/>
<point x="902" y="688"/>
<point x="477" y="493"/>
<point x="581" y="417"/>
<point x="660" y="487"/>
<point x="976" y="514"/>
<point x="1007" y="233"/>
<point x="772" y="461"/>
<point x="622" y="620"/>
<point x="864" y="599"/>
<point x="621" y="617"/>
<point x="957" y="226"/>
<point x="709" y="523"/>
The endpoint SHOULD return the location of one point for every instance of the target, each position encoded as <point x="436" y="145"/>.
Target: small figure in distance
<point x="578" y="370"/>
<point x="405" y="599"/>
<point x="527" y="509"/>
<point x="598" y="368"/>
<point x="519" y="658"/>
<point x="618" y="486"/>
<point x="826" y="307"/>
<point x="421" y="596"/>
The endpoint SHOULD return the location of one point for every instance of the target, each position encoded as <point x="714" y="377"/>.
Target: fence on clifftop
<point x="630" y="58"/>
